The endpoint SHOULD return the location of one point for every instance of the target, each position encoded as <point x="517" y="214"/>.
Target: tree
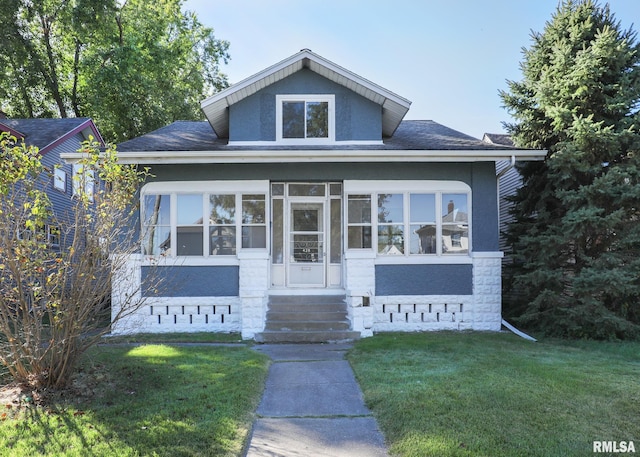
<point x="133" y="66"/>
<point x="54" y="297"/>
<point x="576" y="235"/>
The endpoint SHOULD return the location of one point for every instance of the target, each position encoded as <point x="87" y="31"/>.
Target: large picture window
<point x="174" y="224"/>
<point x="410" y="223"/>
<point x="305" y="118"/>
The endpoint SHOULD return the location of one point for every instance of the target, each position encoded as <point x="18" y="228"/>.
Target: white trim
<point x="488" y="255"/>
<point x="394" y="107"/>
<point x="330" y="99"/>
<point x="415" y="186"/>
<point x="205" y="186"/>
<point x="406" y="188"/>
<point x="336" y="142"/>
<point x="317" y="155"/>
<point x="236" y="188"/>
<point x="421" y="259"/>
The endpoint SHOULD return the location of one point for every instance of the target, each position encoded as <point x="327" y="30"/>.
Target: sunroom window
<point x="407" y="223"/>
<point x="156" y="223"/>
<point x="178" y="219"/>
<point x="305" y="118"/>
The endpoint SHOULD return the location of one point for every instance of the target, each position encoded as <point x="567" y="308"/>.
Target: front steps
<point x="307" y="319"/>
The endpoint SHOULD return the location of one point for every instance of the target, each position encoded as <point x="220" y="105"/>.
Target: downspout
<point x="507" y="168"/>
<point x="517" y="332"/>
<point x="504" y="322"/>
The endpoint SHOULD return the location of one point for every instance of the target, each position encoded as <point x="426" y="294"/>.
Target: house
<point x="54" y="137"/>
<point x="509" y="181"/>
<point x="306" y="190"/>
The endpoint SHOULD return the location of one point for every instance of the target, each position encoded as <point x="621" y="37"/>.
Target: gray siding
<point x="253" y="119"/>
<point x="479" y="176"/>
<point x="424" y="280"/>
<point x="510" y="182"/>
<point x="190" y="281"/>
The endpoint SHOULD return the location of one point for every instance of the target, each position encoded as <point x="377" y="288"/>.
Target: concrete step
<point x="298" y="308"/>
<point x="306" y="299"/>
<point x="307" y="319"/>
<point x="305" y="316"/>
<point x="287" y="326"/>
<point x="310" y="336"/>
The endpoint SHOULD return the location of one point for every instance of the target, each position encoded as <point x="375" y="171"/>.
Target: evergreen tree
<point x="576" y="235"/>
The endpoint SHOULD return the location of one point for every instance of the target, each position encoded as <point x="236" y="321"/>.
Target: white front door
<point x="306" y="252"/>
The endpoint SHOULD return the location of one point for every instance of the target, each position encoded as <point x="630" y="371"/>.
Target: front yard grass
<point x="150" y="400"/>
<point x="480" y="394"/>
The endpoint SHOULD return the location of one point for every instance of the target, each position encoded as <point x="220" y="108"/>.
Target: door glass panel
<point x="305" y="220"/>
<point x="307" y="248"/>
<point x="278" y="232"/>
<point x="335" y="247"/>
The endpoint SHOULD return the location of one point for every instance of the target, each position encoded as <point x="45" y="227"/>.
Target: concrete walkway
<point x="312" y="406"/>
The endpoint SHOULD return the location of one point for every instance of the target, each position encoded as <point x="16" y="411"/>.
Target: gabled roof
<point x="46" y="134"/>
<point x="501" y="139"/>
<point x="394" y="107"/>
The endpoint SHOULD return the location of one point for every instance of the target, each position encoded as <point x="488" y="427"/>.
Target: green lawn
<point x="480" y="394"/>
<point x="151" y="400"/>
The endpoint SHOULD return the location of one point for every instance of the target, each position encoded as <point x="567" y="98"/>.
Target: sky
<point x="450" y="58"/>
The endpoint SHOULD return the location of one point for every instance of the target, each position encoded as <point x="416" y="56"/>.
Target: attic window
<point x="305" y="118"/>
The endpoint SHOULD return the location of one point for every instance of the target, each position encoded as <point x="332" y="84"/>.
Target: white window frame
<point x="60" y="179"/>
<point x="236" y="188"/>
<point x="374" y="188"/>
<point x="81" y="175"/>
<point x="328" y="98"/>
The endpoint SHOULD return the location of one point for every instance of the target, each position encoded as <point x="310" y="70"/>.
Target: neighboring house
<point x="509" y="181"/>
<point x="54" y="137"/>
<point x="305" y="185"/>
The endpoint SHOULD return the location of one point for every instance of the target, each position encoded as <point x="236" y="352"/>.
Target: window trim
<point x="328" y="98"/>
<point x="60" y="180"/>
<point x="236" y="188"/>
<point x="373" y="188"/>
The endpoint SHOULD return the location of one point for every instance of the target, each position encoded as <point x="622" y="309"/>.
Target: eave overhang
<point x="394" y="107"/>
<point x="320" y="155"/>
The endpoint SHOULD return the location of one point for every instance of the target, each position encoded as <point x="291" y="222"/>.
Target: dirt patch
<point x="11" y="395"/>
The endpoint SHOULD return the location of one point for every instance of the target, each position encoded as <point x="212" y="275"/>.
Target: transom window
<point x="305" y="118"/>
<point x="409" y="223"/>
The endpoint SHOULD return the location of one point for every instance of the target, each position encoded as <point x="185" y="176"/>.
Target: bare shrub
<point x="57" y="269"/>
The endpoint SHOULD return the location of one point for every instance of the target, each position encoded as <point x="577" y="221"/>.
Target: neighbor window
<point x="60" y="179"/>
<point x="305" y="118"/>
<point x="83" y="179"/>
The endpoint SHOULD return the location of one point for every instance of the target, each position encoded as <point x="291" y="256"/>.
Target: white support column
<point x="126" y="294"/>
<point x="360" y="285"/>
<point x="254" y="284"/>
<point x="487" y="291"/>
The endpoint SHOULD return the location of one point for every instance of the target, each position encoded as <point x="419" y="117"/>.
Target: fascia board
<point x="310" y="156"/>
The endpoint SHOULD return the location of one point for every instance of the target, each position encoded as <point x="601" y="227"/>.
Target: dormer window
<point x="304" y="119"/>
